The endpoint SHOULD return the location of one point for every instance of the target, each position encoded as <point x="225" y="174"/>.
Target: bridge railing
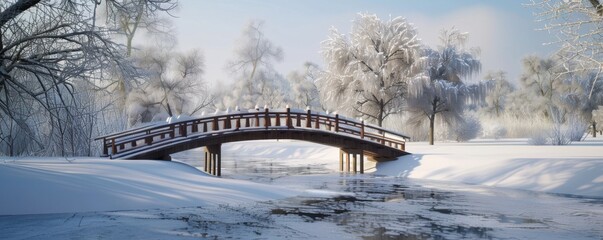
<point x="250" y="120"/>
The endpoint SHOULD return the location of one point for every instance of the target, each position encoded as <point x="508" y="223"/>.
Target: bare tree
<point x="578" y="28"/>
<point x="46" y="48"/>
<point x="497" y="92"/>
<point x="128" y="16"/>
<point x="367" y="72"/>
<point x="253" y="67"/>
<point x="174" y="85"/>
<point x="303" y="87"/>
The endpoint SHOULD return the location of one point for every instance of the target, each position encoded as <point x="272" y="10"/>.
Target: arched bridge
<point x="355" y="138"/>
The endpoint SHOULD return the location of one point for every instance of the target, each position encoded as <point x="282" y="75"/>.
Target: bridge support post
<point x="340" y="160"/>
<point x="354" y="160"/>
<point x="213" y="159"/>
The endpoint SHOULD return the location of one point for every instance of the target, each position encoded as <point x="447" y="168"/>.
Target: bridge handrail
<point x="262" y="119"/>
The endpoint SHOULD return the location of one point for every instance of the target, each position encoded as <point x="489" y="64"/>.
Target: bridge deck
<point x="158" y="141"/>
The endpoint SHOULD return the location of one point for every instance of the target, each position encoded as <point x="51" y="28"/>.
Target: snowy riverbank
<point x="511" y="163"/>
<point x="54" y="185"/>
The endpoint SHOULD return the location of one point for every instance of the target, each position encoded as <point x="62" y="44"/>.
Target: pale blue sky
<point x="504" y="30"/>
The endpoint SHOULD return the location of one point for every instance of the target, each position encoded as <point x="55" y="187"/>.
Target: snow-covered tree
<point x="368" y="71"/>
<point x="129" y="16"/>
<point x="497" y="92"/>
<point x="443" y="93"/>
<point x="578" y="27"/>
<point x="303" y="87"/>
<point x="256" y="81"/>
<point x="563" y="97"/>
<point x="51" y="54"/>
<point x="127" y="19"/>
<point x="546" y="84"/>
<point x="174" y="85"/>
<point x="541" y="78"/>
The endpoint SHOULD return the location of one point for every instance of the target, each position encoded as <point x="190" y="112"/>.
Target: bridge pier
<point x="351" y="160"/>
<point x="213" y="159"/>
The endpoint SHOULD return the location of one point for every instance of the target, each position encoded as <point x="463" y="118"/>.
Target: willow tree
<point x="443" y="91"/>
<point x="367" y="72"/>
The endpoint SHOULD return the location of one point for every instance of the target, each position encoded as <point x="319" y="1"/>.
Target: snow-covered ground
<point x="56" y="185"/>
<point x="174" y="200"/>
<point x="511" y="163"/>
<point x="59" y="185"/>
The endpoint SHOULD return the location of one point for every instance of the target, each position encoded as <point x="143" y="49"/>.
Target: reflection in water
<point x="378" y="210"/>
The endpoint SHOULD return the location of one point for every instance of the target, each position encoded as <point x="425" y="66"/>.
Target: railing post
<point x="257" y="116"/>
<point x="195" y="126"/>
<point x="214" y="124"/>
<point x="238" y="123"/>
<point x="298" y="115"/>
<point x="266" y="118"/>
<point x="113" y="147"/>
<point x="183" y="129"/>
<point x="105" y="148"/>
<point x="204" y="126"/>
<point x="362" y="129"/>
<point x="288" y="119"/>
<point x="317" y="123"/>
<point x="227" y="122"/>
<point x="309" y="119"/>
<point x="277" y="122"/>
<point x="336" y="122"/>
<point x="172" y="132"/>
<point x="149" y="140"/>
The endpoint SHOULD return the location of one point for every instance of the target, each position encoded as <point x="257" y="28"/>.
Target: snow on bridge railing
<point x="250" y="119"/>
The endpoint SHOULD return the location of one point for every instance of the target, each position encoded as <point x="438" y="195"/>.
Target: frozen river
<point x="335" y="206"/>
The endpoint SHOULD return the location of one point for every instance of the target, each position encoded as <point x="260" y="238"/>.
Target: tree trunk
<point x="434" y="111"/>
<point x="431" y="127"/>
<point x="380" y="120"/>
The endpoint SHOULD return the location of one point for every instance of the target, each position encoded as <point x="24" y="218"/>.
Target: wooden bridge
<point x="354" y="138"/>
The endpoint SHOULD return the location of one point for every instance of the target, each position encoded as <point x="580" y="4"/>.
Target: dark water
<point x="379" y="207"/>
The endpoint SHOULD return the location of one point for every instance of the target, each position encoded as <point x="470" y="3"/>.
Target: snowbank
<point x="512" y="163"/>
<point x="56" y="185"/>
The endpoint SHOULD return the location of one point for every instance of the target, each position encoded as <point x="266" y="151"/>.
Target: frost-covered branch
<point x="367" y="73"/>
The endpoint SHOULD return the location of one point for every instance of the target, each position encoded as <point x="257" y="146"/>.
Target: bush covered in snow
<point x="492" y="128"/>
<point x="465" y="130"/>
<point x="538" y="138"/>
